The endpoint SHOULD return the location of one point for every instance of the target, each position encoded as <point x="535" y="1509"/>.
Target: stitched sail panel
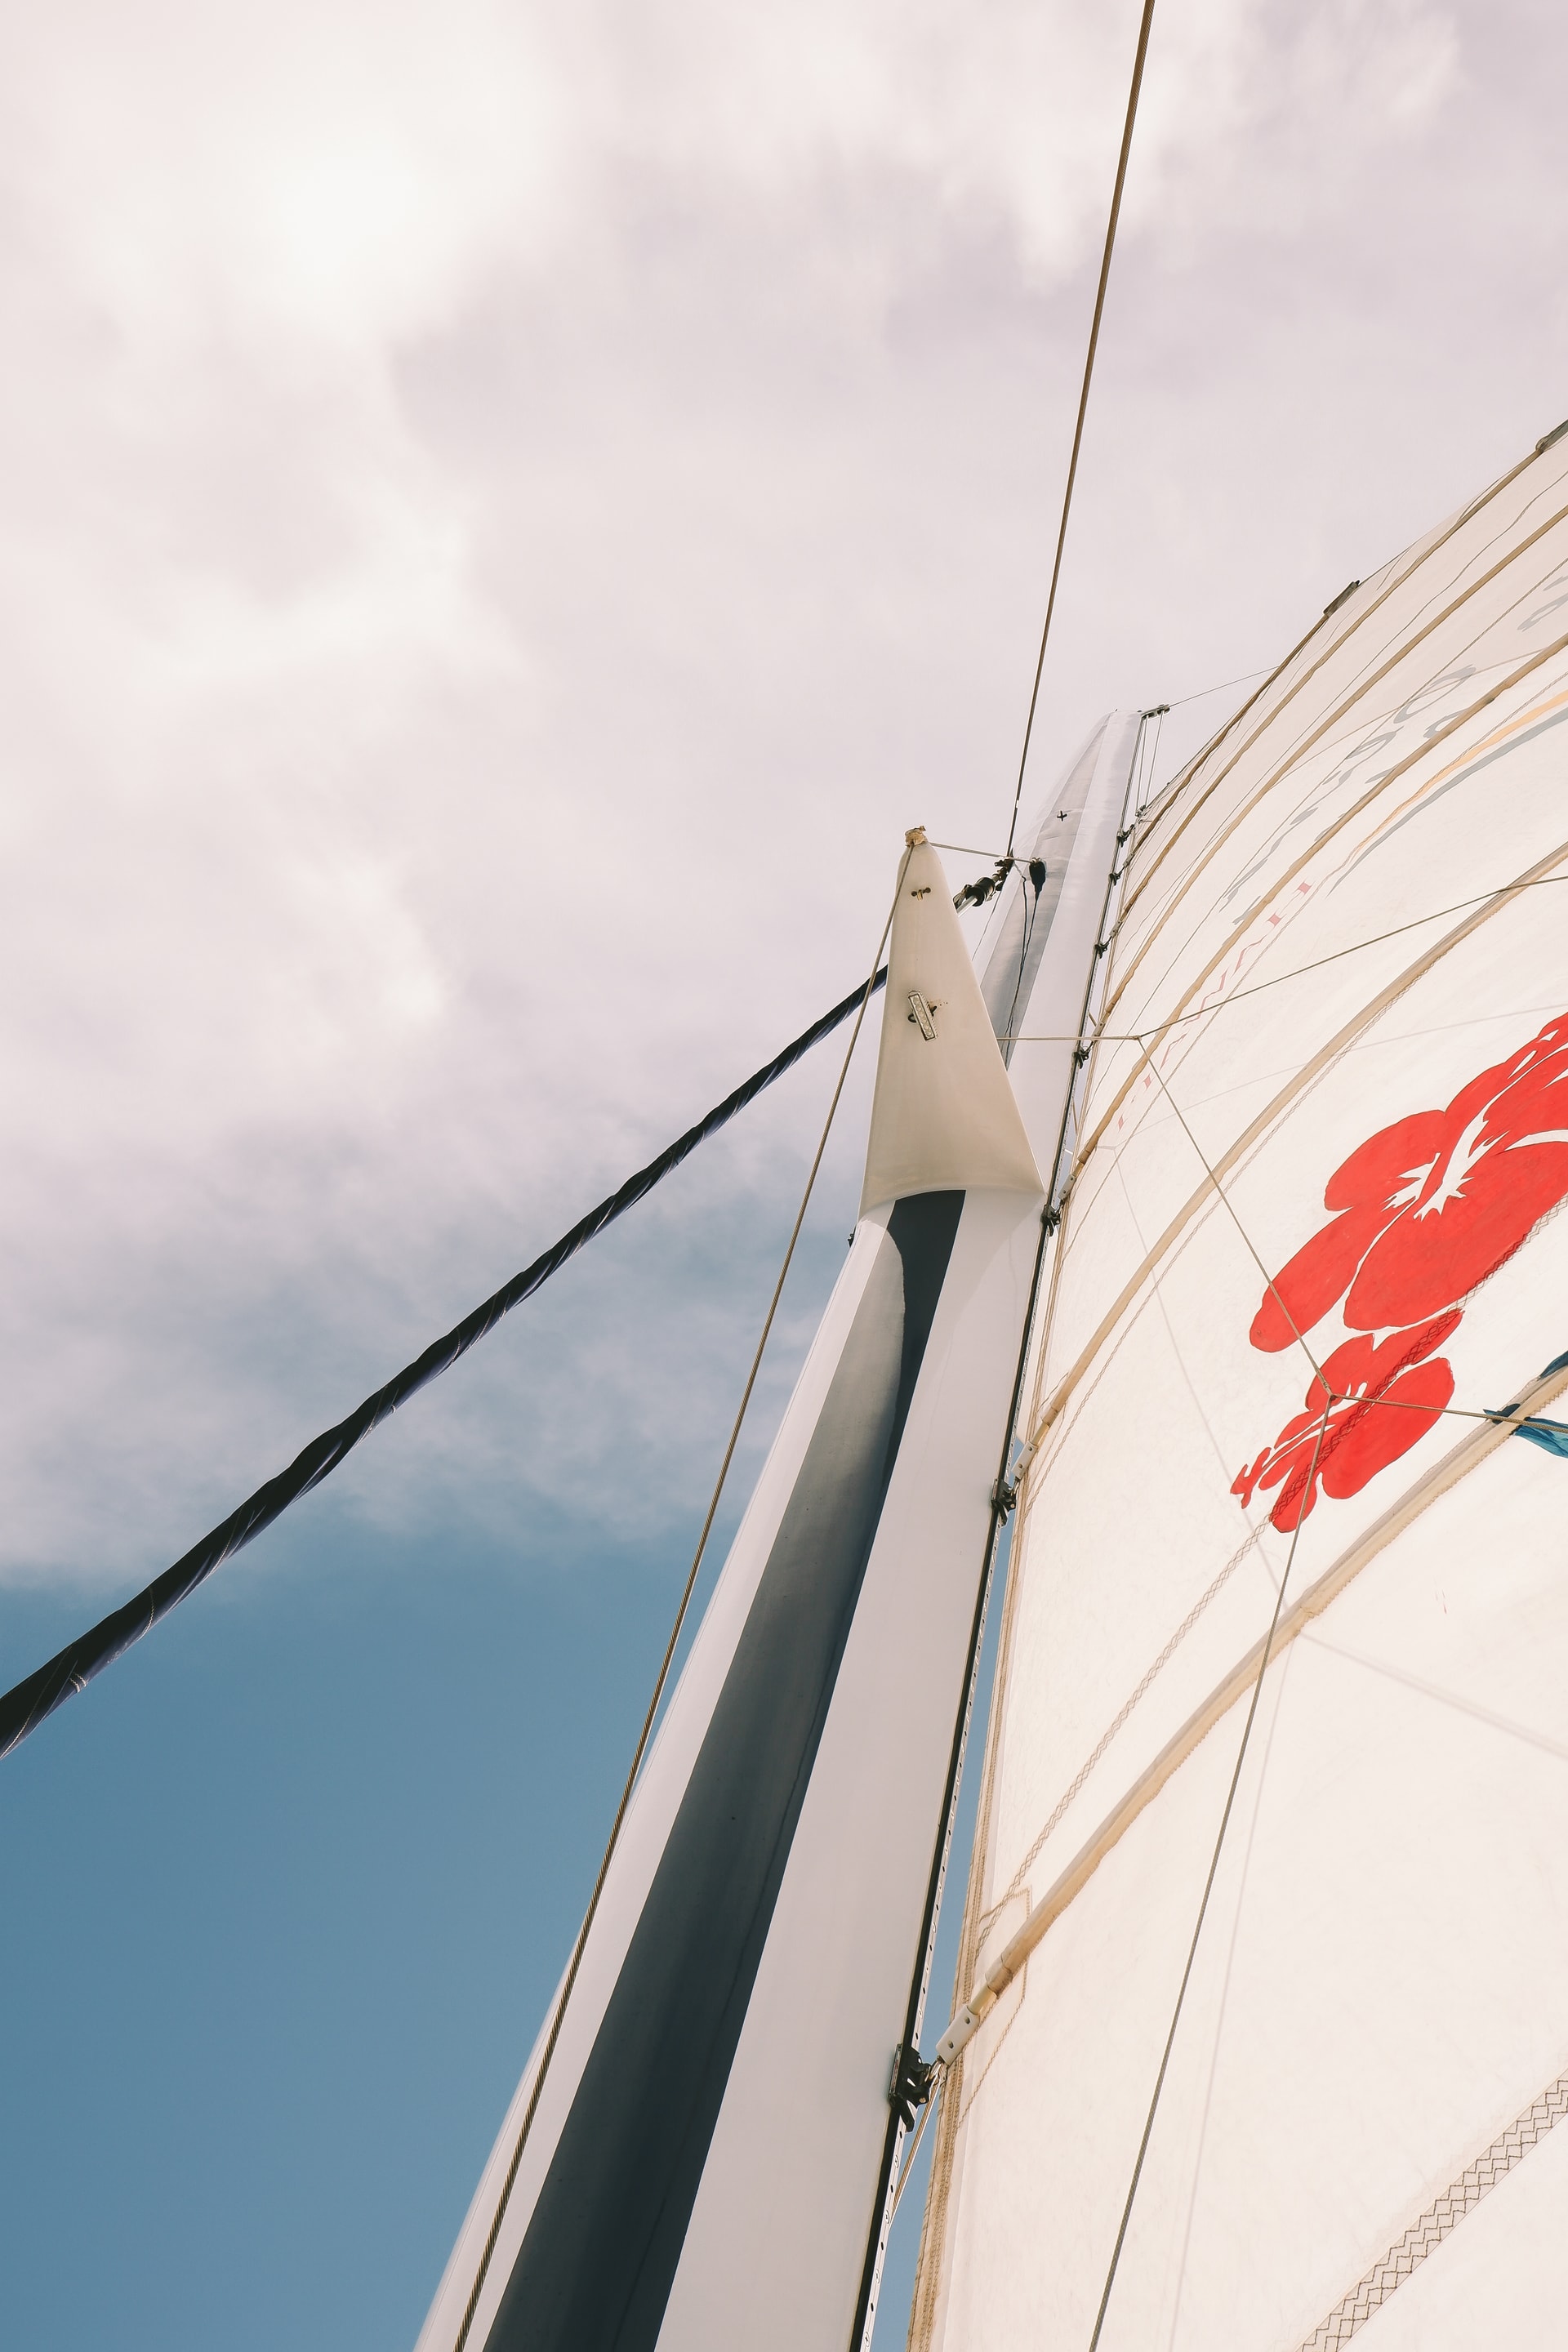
<point x="1312" y="1251"/>
<point x="1441" y="2218"/>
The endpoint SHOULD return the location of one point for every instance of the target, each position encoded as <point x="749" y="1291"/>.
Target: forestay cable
<point x="863" y="997"/>
<point x="1148" y="19"/>
<point x="28" y="1702"/>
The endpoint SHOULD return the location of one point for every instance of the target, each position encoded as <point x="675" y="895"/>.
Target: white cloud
<point x="327" y="176"/>
<point x="509" y="512"/>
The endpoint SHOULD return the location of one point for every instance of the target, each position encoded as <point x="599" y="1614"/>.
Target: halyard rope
<point x="26" y="1704"/>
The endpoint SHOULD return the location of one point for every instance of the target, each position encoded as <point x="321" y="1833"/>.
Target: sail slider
<point x="1004" y="1494"/>
<point x="923" y="1011"/>
<point x="911" y="2085"/>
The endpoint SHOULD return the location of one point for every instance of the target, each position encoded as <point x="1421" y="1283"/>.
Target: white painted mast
<point x="705" y="2165"/>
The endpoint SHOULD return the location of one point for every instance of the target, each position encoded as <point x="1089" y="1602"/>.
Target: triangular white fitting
<point x="943" y="1117"/>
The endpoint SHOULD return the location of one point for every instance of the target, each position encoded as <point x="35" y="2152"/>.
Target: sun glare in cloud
<point x="343" y="174"/>
<point x="509" y="508"/>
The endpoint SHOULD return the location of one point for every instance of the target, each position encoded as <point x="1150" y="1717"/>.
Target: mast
<point x="701" y="2166"/>
<point x="1261" y="2032"/>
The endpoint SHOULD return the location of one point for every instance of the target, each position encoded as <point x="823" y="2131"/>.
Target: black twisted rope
<point x="26" y="1706"/>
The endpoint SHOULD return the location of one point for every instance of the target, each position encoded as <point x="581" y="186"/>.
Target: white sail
<point x="1310" y="1241"/>
<point x="706" y="2163"/>
<point x="1036" y="959"/>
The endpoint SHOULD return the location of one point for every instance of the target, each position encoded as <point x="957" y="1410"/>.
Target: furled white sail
<point x="1036" y="959"/>
<point x="706" y="2165"/>
<point x="1309" y="1249"/>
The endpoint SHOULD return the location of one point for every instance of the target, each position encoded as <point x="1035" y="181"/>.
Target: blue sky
<point x="510" y="512"/>
<point x="290" y="1893"/>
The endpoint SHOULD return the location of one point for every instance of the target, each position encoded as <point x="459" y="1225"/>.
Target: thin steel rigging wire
<point x="1202" y="1906"/>
<point x="1541" y="882"/>
<point x="879" y="974"/>
<point x="1147" y="20"/>
<point x="1182" y="699"/>
<point x="1229" y="1206"/>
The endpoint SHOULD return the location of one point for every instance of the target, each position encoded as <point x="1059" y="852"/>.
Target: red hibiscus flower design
<point x="1425" y="1210"/>
<point x="1432" y="1205"/>
<point x="1358" y="1439"/>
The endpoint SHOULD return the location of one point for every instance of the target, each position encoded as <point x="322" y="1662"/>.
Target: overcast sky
<point x="509" y="511"/>
<point x="512" y="511"/>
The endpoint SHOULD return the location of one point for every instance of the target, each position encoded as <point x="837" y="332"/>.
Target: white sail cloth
<point x="1311" y="1207"/>
<point x="1036" y="959"/>
<point x="704" y="2168"/>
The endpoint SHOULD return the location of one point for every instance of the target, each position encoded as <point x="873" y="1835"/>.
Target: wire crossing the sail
<point x="30" y="1701"/>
